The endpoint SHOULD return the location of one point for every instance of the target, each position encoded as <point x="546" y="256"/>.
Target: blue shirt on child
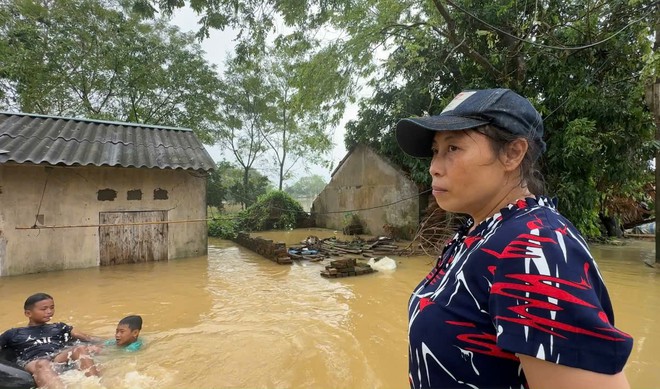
<point x="135" y="346"/>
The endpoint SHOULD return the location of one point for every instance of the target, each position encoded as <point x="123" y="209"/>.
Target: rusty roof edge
<point x="116" y="123"/>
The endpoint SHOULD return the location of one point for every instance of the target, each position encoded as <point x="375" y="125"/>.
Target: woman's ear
<point x="513" y="154"/>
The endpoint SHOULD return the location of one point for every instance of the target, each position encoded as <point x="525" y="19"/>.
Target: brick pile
<point x="348" y="267"/>
<point x="275" y="251"/>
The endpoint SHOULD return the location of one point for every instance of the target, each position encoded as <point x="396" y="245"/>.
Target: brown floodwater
<point x="236" y="320"/>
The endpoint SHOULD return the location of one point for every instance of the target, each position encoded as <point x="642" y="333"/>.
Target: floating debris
<point x="315" y="248"/>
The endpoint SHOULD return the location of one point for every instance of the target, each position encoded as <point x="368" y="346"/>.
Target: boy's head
<point x="128" y="330"/>
<point x="39" y="308"/>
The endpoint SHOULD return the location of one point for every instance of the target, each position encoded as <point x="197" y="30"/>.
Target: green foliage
<point x="582" y="63"/>
<point x="284" y="98"/>
<point x="245" y="114"/>
<point x="88" y="58"/>
<point x="274" y="210"/>
<point x="599" y="134"/>
<point x="308" y="96"/>
<point x="223" y="228"/>
<point x="308" y="186"/>
<point x="226" y="183"/>
<point x="216" y="191"/>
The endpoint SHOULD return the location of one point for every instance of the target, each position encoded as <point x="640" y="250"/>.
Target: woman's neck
<point x="508" y="197"/>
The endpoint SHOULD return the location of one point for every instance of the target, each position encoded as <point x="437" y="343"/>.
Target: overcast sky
<point x="216" y="47"/>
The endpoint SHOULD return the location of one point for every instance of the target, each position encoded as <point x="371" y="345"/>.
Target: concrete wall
<point x="70" y="197"/>
<point x="365" y="180"/>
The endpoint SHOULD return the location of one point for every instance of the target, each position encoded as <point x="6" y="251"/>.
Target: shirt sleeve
<point x="66" y="329"/>
<point x="4" y="339"/>
<point x="135" y="346"/>
<point x="548" y="301"/>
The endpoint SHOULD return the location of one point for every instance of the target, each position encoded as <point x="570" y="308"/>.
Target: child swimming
<point x="127" y="333"/>
<point x="40" y="347"/>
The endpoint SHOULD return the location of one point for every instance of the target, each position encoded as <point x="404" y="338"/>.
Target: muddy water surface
<point x="234" y="319"/>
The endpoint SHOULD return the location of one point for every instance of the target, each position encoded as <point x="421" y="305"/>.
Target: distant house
<point x="64" y="180"/>
<point x="371" y="187"/>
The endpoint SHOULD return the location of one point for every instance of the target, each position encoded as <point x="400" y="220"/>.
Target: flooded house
<point x="369" y="189"/>
<point x="77" y="193"/>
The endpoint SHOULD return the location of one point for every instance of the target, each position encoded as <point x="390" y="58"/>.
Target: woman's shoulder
<point x="537" y="225"/>
<point x="537" y="215"/>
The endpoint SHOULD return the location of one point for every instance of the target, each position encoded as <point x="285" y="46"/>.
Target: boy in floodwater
<point x="127" y="333"/>
<point x="41" y="348"/>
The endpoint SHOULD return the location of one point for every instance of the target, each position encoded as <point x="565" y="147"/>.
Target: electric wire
<point x="359" y="209"/>
<point x="581" y="47"/>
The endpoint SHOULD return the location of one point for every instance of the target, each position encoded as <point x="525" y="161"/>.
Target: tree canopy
<point x="583" y="63"/>
<point x="91" y="58"/>
<point x="225" y="184"/>
<point x="308" y="186"/>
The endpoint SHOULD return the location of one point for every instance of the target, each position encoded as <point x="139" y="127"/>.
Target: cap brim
<point x="415" y="135"/>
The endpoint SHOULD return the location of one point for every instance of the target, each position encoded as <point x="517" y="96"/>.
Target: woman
<point x="516" y="299"/>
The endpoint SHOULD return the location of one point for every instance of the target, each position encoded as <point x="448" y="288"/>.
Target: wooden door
<point x="131" y="242"/>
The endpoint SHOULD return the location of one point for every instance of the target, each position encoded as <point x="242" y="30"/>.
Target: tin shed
<point x="78" y="193"/>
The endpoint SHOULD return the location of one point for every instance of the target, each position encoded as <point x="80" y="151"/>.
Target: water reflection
<point x="235" y="319"/>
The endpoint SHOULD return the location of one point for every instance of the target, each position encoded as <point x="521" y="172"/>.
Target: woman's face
<point x="467" y="176"/>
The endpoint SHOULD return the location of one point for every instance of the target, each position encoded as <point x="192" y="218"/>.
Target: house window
<point x="106" y="194"/>
<point x="135" y="194"/>
<point x="160" y="194"/>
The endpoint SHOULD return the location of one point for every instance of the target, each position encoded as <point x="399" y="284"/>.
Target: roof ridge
<point x="99" y="121"/>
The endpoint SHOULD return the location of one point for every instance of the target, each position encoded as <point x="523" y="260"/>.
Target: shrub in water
<point x="222" y="228"/>
<point x="275" y="210"/>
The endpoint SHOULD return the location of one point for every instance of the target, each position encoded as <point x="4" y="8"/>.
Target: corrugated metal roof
<point x="69" y="141"/>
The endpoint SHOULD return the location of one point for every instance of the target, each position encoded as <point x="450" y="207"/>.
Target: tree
<point x="579" y="61"/>
<point x="651" y="75"/>
<point x="244" y="115"/>
<point x="225" y="184"/>
<point x="89" y="58"/>
<point x="308" y="186"/>
<point x="598" y="133"/>
<point x="216" y="190"/>
<point x="308" y="99"/>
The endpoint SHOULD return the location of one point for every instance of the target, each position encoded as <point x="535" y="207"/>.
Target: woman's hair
<point x="530" y="175"/>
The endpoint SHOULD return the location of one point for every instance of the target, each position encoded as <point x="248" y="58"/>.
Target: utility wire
<point x="375" y="207"/>
<point x="353" y="210"/>
<point x="550" y="46"/>
<point x="236" y="217"/>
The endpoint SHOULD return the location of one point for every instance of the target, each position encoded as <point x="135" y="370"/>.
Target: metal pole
<point x="655" y="104"/>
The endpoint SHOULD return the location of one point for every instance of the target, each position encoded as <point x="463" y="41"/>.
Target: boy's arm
<point x="84" y="337"/>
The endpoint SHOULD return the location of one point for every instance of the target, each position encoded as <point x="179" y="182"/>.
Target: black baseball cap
<point x="500" y="107"/>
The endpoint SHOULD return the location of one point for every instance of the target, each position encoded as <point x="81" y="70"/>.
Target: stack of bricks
<point x="346" y="268"/>
<point x="276" y="252"/>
